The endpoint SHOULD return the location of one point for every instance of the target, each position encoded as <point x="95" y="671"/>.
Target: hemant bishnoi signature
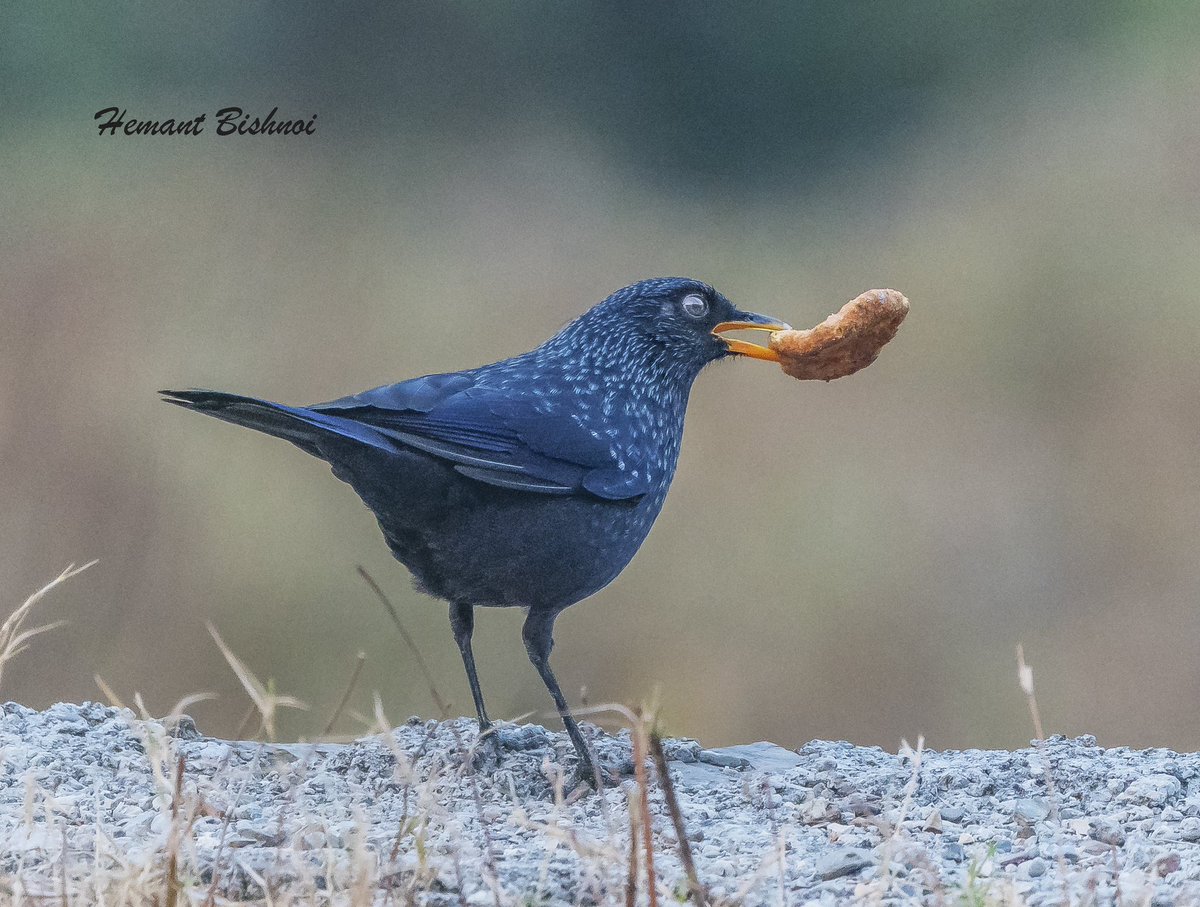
<point x="229" y="120"/>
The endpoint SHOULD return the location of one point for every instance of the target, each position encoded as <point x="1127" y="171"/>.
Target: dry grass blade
<point x="13" y="638"/>
<point x="442" y="706"/>
<point x="634" y="825"/>
<point x="66" y="900"/>
<point x="1025" y="679"/>
<point x="360" y="660"/>
<point x="910" y="790"/>
<point x="173" y="883"/>
<point x="178" y="709"/>
<point x="266" y="701"/>
<point x="640" y="747"/>
<point x="491" y="875"/>
<point x="211" y="894"/>
<point x="109" y="693"/>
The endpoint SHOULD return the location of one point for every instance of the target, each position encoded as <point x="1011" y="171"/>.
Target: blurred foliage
<point x="852" y="560"/>
<point x="706" y="96"/>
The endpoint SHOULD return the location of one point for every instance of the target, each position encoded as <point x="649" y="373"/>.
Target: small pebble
<point x="1033" y="868"/>
<point x="1189" y="829"/>
<point x="1153" y="790"/>
<point x="954" y="853"/>
<point x="1032" y="809"/>
<point x="1167" y="864"/>
<point x="1107" y="832"/>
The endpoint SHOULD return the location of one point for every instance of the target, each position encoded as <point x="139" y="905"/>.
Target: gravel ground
<point x="95" y="799"/>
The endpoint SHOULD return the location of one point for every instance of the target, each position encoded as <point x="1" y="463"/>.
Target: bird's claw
<point x="582" y="780"/>
<point x="497" y="740"/>
<point x="488" y="752"/>
<point x="585" y="776"/>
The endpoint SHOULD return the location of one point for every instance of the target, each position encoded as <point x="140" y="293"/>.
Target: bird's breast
<point x="643" y="431"/>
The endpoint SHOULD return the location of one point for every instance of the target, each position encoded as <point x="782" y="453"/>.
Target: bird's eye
<point x="696" y="306"/>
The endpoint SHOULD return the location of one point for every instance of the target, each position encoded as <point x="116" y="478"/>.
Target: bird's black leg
<point x="462" y="622"/>
<point x="538" y="634"/>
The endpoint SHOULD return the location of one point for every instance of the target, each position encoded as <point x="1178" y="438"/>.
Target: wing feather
<point x="498" y="437"/>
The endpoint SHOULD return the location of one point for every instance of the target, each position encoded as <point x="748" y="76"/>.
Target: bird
<point x="530" y="482"/>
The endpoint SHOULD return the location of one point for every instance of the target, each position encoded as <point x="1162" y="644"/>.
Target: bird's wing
<point x="508" y="440"/>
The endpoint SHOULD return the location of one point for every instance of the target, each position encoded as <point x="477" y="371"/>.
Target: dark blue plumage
<point x="530" y="482"/>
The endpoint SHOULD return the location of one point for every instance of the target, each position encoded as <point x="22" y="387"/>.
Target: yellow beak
<point x="745" y="347"/>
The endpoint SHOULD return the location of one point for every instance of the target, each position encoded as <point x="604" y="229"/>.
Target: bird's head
<point x="682" y="321"/>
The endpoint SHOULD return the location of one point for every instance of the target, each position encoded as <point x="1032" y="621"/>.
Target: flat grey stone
<point x="724" y="759"/>
<point x="763" y="756"/>
<point x="842" y="862"/>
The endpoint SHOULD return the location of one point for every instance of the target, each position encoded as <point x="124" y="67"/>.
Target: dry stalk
<point x="211" y="895"/>
<point x="442" y="706"/>
<point x="634" y="822"/>
<point x="768" y="862"/>
<point x="363" y="866"/>
<point x="781" y="865"/>
<point x="265" y="700"/>
<point x="384" y="727"/>
<point x="180" y="708"/>
<point x="699" y="891"/>
<point x="639" y="768"/>
<point x="66" y="901"/>
<point x="1025" y="678"/>
<point x="638" y="722"/>
<point x="910" y="790"/>
<point x="173" y="885"/>
<point x="586" y="849"/>
<point x="109" y="693"/>
<point x="405" y="767"/>
<point x="13" y="639"/>
<point x="360" y="660"/>
<point x="491" y="871"/>
<point x="245" y="722"/>
<point x="460" y="878"/>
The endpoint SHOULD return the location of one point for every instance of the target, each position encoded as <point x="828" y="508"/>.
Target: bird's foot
<point x="582" y="780"/>
<point x="496" y="740"/>
<point x="487" y="754"/>
<point x="518" y="738"/>
<point x="591" y="773"/>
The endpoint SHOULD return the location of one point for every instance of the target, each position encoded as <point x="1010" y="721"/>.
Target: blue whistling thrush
<point x="530" y="482"/>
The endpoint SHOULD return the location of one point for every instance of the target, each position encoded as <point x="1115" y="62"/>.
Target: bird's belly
<point x="544" y="554"/>
<point x="472" y="543"/>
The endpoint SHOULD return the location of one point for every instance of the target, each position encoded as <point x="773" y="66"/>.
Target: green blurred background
<point x="852" y="560"/>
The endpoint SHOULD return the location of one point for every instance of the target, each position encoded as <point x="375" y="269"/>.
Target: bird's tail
<point x="303" y="427"/>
